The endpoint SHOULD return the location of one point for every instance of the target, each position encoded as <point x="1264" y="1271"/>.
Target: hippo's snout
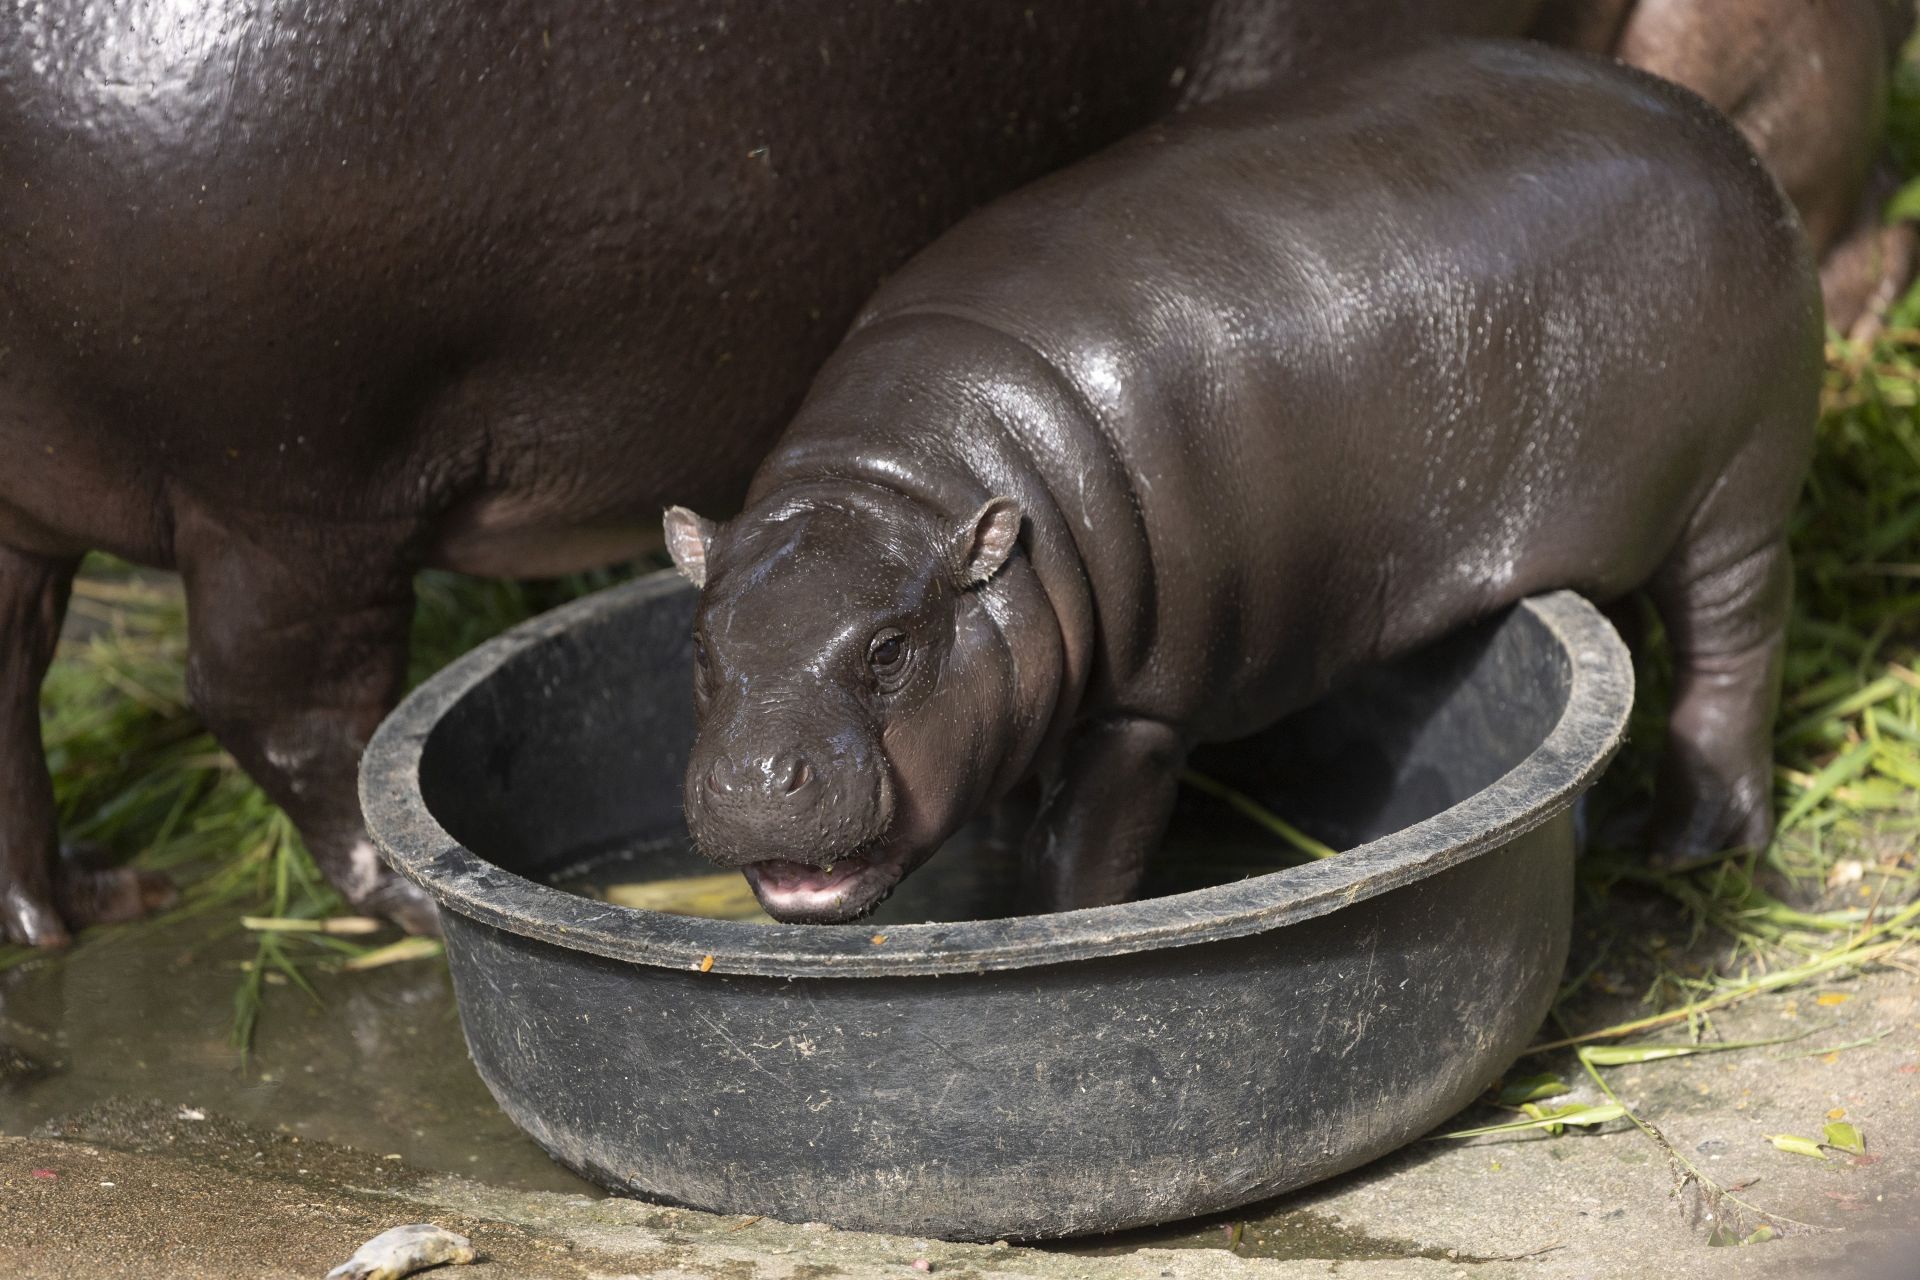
<point x="788" y="804"/>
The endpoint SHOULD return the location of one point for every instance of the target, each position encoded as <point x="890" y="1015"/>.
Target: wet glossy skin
<point x="297" y="299"/>
<point x="1278" y="389"/>
<point x="853" y="718"/>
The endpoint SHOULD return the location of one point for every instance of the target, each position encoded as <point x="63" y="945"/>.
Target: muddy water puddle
<point x="144" y="1015"/>
<point x="377" y="1062"/>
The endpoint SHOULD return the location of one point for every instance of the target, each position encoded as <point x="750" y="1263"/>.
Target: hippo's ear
<point x="688" y="537"/>
<point x="983" y="543"/>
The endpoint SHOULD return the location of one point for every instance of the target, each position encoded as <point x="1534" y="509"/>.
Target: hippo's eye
<point x="887" y="653"/>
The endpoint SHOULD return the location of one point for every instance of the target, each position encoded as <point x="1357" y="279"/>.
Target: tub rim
<point x="1538" y="788"/>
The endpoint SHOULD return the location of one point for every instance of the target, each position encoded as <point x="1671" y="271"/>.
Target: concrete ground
<point x="144" y="1189"/>
<point x="131" y="1146"/>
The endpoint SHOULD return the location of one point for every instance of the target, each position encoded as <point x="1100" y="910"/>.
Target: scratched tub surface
<point x="1000" y="1076"/>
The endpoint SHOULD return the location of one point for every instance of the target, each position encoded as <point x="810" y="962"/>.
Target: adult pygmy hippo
<point x="1161" y="448"/>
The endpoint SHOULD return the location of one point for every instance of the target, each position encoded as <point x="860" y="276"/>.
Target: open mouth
<point x="799" y="893"/>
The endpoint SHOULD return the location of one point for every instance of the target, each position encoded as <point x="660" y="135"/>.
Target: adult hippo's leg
<point x="42" y="898"/>
<point x="33" y="599"/>
<point x="1104" y="813"/>
<point x="296" y="651"/>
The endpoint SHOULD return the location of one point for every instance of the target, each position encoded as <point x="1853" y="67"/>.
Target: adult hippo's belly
<point x="299" y="298"/>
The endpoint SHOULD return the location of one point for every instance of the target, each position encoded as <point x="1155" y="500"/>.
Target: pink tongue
<point x="783" y="876"/>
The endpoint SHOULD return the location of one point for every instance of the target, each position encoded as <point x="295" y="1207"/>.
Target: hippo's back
<point x="1477" y="321"/>
<point x="413" y="244"/>
<point x="575" y="256"/>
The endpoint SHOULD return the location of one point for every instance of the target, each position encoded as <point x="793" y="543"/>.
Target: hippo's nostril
<point x="799" y="773"/>
<point x="713" y="783"/>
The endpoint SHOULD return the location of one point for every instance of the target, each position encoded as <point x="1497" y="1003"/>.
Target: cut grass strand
<point x="1852" y="955"/>
<point x="1688" y="1173"/>
<point x="396" y="953"/>
<point x="338" y="925"/>
<point x="1248" y="807"/>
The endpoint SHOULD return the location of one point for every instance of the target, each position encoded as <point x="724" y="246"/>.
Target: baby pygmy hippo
<point x="1159" y="449"/>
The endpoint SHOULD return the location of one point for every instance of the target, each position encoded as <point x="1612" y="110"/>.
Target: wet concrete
<point x="376" y="1062"/>
<point x="134" y="1141"/>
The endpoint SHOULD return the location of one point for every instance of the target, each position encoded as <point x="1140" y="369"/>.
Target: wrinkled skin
<point x="298" y="299"/>
<point x="1161" y="448"/>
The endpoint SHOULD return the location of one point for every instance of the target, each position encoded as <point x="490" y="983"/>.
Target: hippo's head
<point x="856" y="698"/>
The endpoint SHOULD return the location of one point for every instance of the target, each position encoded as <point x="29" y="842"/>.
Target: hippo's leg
<point x="42" y="898"/>
<point x="1726" y="626"/>
<point x="1013" y="816"/>
<point x="33" y="598"/>
<point x="1103" y="814"/>
<point x="295" y="654"/>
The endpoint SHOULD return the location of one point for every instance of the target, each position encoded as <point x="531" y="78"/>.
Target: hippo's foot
<point x="373" y="889"/>
<point x="1702" y="816"/>
<point x="83" y="893"/>
<point x="90" y="890"/>
<point x="396" y="898"/>
<point x="1727" y="627"/>
<point x="28" y="919"/>
<point x="1869" y="267"/>
<point x="352" y="865"/>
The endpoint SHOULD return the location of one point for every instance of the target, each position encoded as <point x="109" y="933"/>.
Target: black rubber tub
<point x="1005" y="1077"/>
